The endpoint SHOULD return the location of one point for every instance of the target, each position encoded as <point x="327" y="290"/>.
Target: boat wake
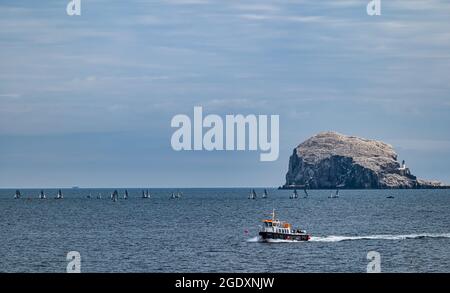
<point x="254" y="239"/>
<point x="334" y="238"/>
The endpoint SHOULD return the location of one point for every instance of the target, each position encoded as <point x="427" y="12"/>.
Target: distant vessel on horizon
<point x="42" y="195"/>
<point x="265" y="194"/>
<point x="115" y="196"/>
<point x="294" y="195"/>
<point x="145" y="194"/>
<point x="252" y="194"/>
<point x="59" y="195"/>
<point x="336" y="195"/>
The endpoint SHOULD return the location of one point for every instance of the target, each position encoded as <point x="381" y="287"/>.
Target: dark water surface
<point x="205" y="231"/>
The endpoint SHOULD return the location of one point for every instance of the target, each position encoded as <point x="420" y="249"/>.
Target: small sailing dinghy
<point x="294" y="195"/>
<point x="336" y="195"/>
<point x="125" y="196"/>
<point x="306" y="193"/>
<point x="59" y="195"/>
<point x="265" y="195"/>
<point x="115" y="195"/>
<point x="145" y="194"/>
<point x="17" y="195"/>
<point x="252" y="194"/>
<point x="42" y="195"/>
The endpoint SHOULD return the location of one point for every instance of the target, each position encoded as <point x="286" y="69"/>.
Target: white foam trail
<point x="259" y="239"/>
<point x="282" y="241"/>
<point x="334" y="238"/>
<point x="254" y="239"/>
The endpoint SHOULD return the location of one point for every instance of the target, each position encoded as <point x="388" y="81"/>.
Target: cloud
<point x="10" y="95"/>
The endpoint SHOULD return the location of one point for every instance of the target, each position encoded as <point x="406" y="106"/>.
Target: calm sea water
<point x="213" y="230"/>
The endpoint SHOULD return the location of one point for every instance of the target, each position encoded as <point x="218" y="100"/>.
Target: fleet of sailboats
<point x="174" y="195"/>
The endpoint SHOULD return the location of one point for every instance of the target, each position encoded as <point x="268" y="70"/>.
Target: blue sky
<point x="87" y="100"/>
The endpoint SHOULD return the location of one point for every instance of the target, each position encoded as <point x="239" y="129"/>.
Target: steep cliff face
<point x="330" y="160"/>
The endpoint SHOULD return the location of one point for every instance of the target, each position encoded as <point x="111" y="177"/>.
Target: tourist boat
<point x="274" y="229"/>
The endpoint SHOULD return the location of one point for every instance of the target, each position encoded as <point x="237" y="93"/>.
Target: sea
<point x="216" y="230"/>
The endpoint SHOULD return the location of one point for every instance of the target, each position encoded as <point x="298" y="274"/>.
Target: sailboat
<point x="17" y="195"/>
<point x="252" y="194"/>
<point x="265" y="194"/>
<point x="173" y="196"/>
<point x="59" y="195"/>
<point x="125" y="196"/>
<point x="306" y="192"/>
<point x="42" y="195"/>
<point x="99" y="196"/>
<point x="294" y="195"/>
<point x="179" y="194"/>
<point x="115" y="196"/>
<point x="336" y="195"/>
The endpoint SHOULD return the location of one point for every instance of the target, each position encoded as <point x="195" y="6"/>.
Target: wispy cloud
<point x="10" y="95"/>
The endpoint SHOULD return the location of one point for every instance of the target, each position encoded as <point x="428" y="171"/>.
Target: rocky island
<point x="333" y="160"/>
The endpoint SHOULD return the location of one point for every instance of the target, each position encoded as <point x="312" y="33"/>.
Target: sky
<point x="87" y="100"/>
